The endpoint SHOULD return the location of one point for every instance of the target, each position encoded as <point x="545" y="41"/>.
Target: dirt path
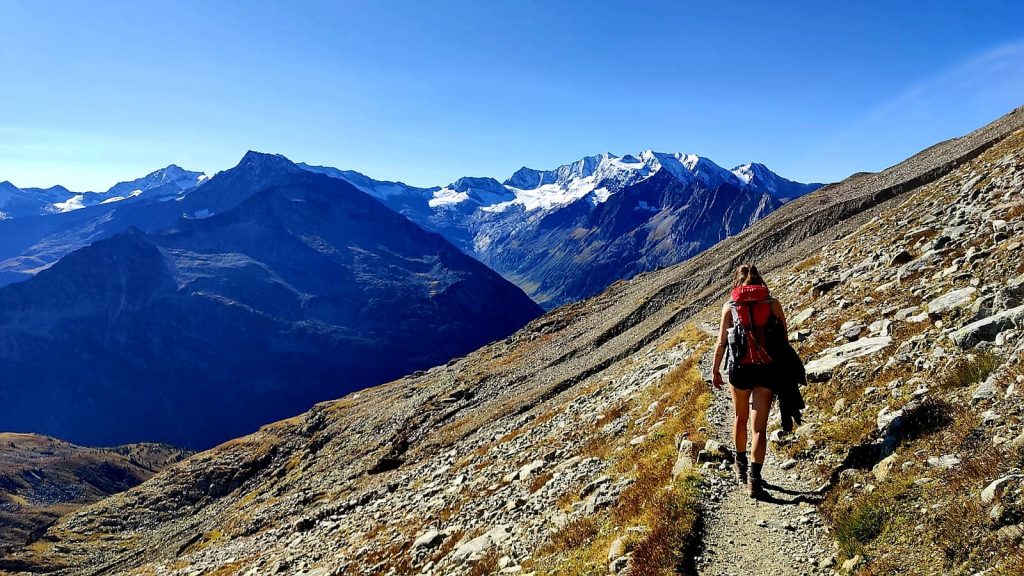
<point x="776" y="536"/>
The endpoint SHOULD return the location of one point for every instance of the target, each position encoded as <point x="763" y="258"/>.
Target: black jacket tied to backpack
<point x="790" y="373"/>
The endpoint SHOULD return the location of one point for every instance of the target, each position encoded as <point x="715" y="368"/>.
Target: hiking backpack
<point x="746" y="343"/>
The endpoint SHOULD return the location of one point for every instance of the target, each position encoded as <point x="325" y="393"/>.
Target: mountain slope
<point x="44" y="478"/>
<point x="550" y="443"/>
<point x="304" y="291"/>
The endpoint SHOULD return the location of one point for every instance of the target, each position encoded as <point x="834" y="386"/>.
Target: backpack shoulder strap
<point x="734" y="310"/>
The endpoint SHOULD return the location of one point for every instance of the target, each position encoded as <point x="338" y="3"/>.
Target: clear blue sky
<point x="426" y="92"/>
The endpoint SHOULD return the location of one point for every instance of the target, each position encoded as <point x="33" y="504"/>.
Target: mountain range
<point x="292" y="288"/>
<point x="44" y="478"/>
<point x="273" y="285"/>
<point x="565" y="234"/>
<point x="560" y="235"/>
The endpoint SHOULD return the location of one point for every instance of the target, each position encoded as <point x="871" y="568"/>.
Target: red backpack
<point x="751" y="308"/>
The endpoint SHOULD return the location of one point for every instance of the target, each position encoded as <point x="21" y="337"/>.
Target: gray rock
<point x="427" y="540"/>
<point x="850" y="565"/>
<point x="683" y="463"/>
<point x="986" y="390"/>
<point x="801" y="317"/>
<point x="995" y="489"/>
<point x="829" y="359"/>
<point x="593" y="486"/>
<point x="839" y="406"/>
<point x="619" y="565"/>
<point x="901" y="258"/>
<point x="1011" y="533"/>
<point x="946" y="461"/>
<point x="951" y="300"/>
<point x="904" y="313"/>
<point x="853" y="332"/>
<point x="881" y="470"/>
<point x="823" y="287"/>
<point x="886" y="418"/>
<point x="477" y="546"/>
<point x="987" y="329"/>
<point x="799" y="335"/>
<point x="617" y="548"/>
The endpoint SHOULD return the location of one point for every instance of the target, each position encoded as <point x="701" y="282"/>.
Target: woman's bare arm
<point x="723" y="328"/>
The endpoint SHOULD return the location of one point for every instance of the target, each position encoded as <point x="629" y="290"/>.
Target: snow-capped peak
<point x="597" y="177"/>
<point x="761" y="178"/>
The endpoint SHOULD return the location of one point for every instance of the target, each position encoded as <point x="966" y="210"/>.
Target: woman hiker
<point x="749" y="315"/>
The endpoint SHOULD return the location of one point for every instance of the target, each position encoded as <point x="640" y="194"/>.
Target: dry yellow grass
<point x="667" y="508"/>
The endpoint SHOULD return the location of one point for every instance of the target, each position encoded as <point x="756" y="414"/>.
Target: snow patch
<point x="447" y="196"/>
<point x="76" y="202"/>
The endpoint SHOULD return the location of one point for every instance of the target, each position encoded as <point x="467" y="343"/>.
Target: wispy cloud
<point x="973" y="91"/>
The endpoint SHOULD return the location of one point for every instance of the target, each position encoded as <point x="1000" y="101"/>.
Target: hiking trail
<point x="779" y="535"/>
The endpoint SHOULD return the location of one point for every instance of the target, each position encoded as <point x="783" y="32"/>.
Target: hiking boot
<point x="756" y="486"/>
<point x="740" y="469"/>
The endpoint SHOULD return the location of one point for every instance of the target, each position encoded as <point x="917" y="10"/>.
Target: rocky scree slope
<point x="914" y="328"/>
<point x="43" y="478"/>
<point x="537" y="453"/>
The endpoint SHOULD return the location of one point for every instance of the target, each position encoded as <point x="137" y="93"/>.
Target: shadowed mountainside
<point x="305" y="291"/>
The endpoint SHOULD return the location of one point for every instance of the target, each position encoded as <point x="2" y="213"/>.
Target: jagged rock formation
<point x="44" y="478"/>
<point x="522" y="453"/>
<point x="307" y="290"/>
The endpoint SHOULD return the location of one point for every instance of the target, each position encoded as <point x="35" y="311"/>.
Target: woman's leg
<point x="762" y="406"/>
<point x="741" y="405"/>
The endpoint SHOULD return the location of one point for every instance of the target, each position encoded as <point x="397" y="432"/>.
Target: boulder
<point x="823" y="287"/>
<point x="882" y="470"/>
<point x="995" y="489"/>
<point x="951" y="300"/>
<point x="829" y="359"/>
<point x="901" y="258"/>
<point x="801" y="317"/>
<point x="617" y="548"/>
<point x="985" y="391"/>
<point x="427" y="540"/>
<point x="946" y="461"/>
<point x="684" y="461"/>
<point x="851" y="333"/>
<point x="478" y="546"/>
<point x="850" y="565"/>
<point x="593" y="486"/>
<point x="988" y="328"/>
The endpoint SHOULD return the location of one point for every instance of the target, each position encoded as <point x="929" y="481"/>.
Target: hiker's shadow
<point x="796" y="496"/>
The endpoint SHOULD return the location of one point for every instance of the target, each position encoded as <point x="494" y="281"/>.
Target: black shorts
<point x="745" y="377"/>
